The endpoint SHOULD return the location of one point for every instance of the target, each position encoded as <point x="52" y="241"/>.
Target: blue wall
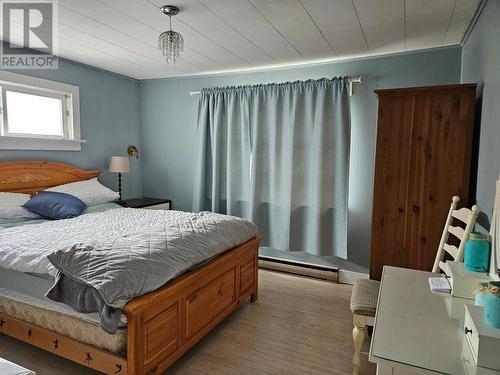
<point x="159" y="116"/>
<point x="481" y="63"/>
<point x="168" y="124"/>
<point x="109" y="121"/>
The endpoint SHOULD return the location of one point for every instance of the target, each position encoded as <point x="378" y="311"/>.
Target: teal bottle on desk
<point x="477" y="253"/>
<point x="492" y="305"/>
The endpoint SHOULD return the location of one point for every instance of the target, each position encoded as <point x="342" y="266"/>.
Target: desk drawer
<point x="471" y="336"/>
<point x="484" y="341"/>
<point x="468" y="363"/>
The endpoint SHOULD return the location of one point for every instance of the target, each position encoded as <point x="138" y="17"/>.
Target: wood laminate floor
<point x="298" y="326"/>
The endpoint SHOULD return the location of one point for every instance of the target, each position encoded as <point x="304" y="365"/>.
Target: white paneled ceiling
<point x="224" y="35"/>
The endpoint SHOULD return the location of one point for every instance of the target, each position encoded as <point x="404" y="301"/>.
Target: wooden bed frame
<point x="162" y="325"/>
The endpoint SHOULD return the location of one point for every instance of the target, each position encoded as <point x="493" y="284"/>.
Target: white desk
<point x="9" y="368"/>
<point x="413" y="333"/>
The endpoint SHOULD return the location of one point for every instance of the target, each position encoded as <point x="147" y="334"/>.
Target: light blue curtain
<point x="278" y="155"/>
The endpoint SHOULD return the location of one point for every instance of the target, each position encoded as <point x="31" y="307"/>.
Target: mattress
<point x="57" y="318"/>
<point x="22" y="295"/>
<point x="35" y="285"/>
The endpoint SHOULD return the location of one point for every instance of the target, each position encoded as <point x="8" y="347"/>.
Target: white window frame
<point x="70" y="96"/>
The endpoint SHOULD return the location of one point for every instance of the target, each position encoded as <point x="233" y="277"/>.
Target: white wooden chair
<point x="466" y="216"/>
<point x="365" y="292"/>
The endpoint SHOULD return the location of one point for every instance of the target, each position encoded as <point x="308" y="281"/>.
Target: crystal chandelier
<point x="170" y="43"/>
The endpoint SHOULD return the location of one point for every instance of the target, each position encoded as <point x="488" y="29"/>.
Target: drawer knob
<point x="467" y="330"/>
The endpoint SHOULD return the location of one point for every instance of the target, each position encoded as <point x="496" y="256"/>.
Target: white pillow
<point x="11" y="206"/>
<point x="91" y="192"/>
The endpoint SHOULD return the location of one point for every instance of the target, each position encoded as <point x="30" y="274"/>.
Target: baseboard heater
<point x="298" y="268"/>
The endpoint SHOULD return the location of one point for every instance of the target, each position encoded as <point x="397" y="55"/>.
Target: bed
<point x="160" y="326"/>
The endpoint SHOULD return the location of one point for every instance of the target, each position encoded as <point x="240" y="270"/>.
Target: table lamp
<point x="119" y="164"/>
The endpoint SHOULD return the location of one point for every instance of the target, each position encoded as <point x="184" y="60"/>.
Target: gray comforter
<point x="103" y="276"/>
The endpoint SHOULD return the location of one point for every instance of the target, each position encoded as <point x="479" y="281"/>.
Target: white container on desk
<point x="483" y="340"/>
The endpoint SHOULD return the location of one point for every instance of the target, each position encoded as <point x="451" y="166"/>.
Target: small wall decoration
<point x="133" y="151"/>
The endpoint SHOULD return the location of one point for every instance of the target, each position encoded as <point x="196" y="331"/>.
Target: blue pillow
<point x="55" y="206"/>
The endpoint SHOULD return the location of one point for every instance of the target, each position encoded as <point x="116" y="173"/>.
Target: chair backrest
<point x="466" y="216"/>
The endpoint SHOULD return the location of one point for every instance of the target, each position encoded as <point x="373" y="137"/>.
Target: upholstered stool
<point x="363" y="306"/>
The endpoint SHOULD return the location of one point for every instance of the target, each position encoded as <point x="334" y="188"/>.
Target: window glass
<point x="34" y="114"/>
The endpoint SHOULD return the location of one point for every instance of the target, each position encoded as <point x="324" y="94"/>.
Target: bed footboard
<point x="164" y="324"/>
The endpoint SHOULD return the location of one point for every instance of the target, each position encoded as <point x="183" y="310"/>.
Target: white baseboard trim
<point x="326" y="274"/>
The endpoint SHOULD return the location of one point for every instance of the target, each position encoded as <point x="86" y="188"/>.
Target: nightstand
<point x="148" y="203"/>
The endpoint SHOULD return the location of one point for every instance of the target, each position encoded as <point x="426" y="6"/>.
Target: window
<point x="38" y="114"/>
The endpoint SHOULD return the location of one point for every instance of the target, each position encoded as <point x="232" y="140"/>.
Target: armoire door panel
<point x="435" y="180"/>
<point x="424" y="142"/>
<point x="392" y="160"/>
<point x="420" y="149"/>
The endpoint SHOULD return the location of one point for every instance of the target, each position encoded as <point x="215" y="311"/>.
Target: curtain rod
<point x="351" y="81"/>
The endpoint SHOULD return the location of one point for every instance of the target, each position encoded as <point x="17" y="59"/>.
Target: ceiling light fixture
<point x="170" y="43"/>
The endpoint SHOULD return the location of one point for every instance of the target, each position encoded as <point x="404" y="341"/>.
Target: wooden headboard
<point x="34" y="176"/>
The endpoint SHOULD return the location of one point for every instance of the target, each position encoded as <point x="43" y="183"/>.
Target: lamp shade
<point x="119" y="164"/>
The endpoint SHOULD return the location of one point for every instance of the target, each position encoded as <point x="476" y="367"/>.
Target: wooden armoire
<point x="423" y="158"/>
